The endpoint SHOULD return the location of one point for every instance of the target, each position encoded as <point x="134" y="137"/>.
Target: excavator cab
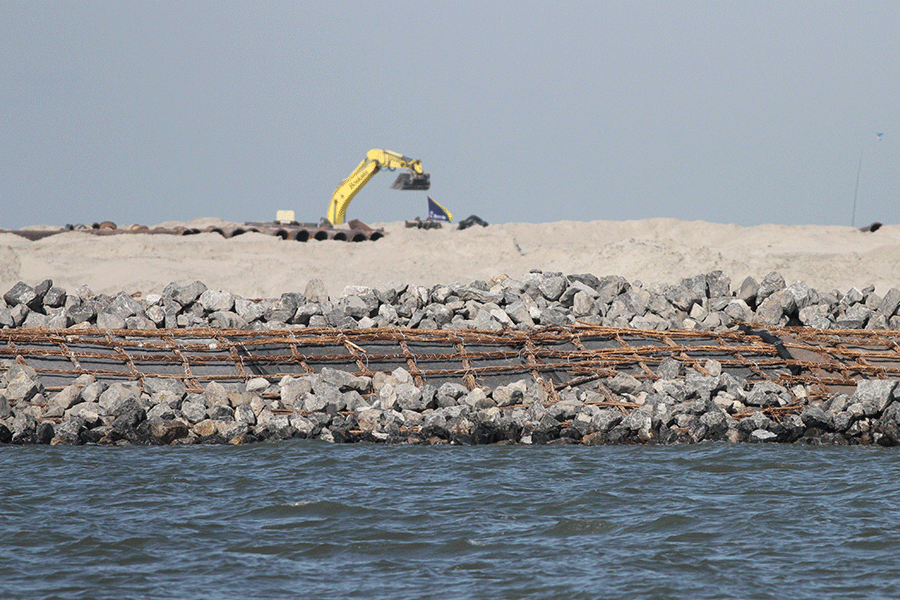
<point x="412" y="181"/>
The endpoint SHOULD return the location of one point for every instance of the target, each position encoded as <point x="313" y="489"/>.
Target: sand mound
<point x="655" y="250"/>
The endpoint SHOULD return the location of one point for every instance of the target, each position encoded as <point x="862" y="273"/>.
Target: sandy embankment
<point x="654" y="250"/>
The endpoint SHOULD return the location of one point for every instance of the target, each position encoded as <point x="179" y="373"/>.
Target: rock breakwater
<point x="672" y="404"/>
<point x="704" y="302"/>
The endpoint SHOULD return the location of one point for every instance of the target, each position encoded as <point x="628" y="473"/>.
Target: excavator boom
<point x="414" y="178"/>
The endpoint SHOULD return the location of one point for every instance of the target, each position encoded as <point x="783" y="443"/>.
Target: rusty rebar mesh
<point x="580" y="355"/>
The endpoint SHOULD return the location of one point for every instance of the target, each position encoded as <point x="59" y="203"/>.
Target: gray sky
<point x="730" y="112"/>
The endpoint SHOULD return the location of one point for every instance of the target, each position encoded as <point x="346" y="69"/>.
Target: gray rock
<point x="226" y="319"/>
<point x="221" y="412"/>
<point x="640" y="422"/>
<point x="125" y="306"/>
<point x="669" y="368"/>
<point x="770" y="284"/>
<point x="194" y="408"/>
<point x="739" y="310"/>
<point x="748" y="291"/>
<point x="91" y="392"/>
<point x="248" y="310"/>
<point x="57" y="319"/>
<point x="841" y="421"/>
<point x="184" y="293"/>
<point x="215" y="394"/>
<point x="589" y="280"/>
<point x="854" y="317"/>
<point x="718" y="284"/>
<point x="127" y="415"/>
<point x="161" y="410"/>
<point x="681" y="297"/>
<point x="874" y="395"/>
<point x="155" y="385"/>
<point x="815" y="316"/>
<point x="889" y="304"/>
<point x="756" y="421"/>
<point x="623" y="383"/>
<point x="22" y="384"/>
<point x="15" y="316"/>
<point x="610" y="287"/>
<point x="697" y="284"/>
<point x="35" y="320"/>
<point x="552" y="287"/>
<point x="55" y="298"/>
<point x="65" y="398"/>
<point x="815" y="416"/>
<point x="345" y="381"/>
<point x="409" y="397"/>
<point x="511" y="394"/>
<point x="24" y="427"/>
<point x="765" y="394"/>
<point x="889" y="426"/>
<point x="715" y="422"/>
<point x="356" y="307"/>
<point x="22" y="294"/>
<point x="107" y="320"/>
<point x="802" y="294"/>
<point x="449" y="394"/>
<point x="471" y="292"/>
<point x="68" y="431"/>
<point x="292" y="391"/>
<point x="762" y="435"/>
<point x="166" y="431"/>
<point x="283" y="310"/>
<point x="216" y="301"/>
<point x="777" y="308"/>
<point x="605" y="419"/>
<point x="116" y="395"/>
<point x="316" y="292"/>
<point x="243" y="413"/>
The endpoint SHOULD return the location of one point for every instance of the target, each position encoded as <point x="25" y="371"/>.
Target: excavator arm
<point x="414" y="178"/>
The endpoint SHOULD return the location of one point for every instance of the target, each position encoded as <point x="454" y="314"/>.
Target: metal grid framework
<point x="581" y="355"/>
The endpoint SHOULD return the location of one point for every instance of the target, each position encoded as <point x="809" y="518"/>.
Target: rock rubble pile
<point x="336" y="406"/>
<point x="678" y="406"/>
<point x="704" y="302"/>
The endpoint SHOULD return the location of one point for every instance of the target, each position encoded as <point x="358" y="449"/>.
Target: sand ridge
<point x="651" y="251"/>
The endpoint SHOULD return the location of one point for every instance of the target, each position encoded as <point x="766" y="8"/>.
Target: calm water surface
<point x="311" y="520"/>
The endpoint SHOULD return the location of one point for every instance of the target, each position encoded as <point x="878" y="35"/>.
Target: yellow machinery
<point x="412" y="179"/>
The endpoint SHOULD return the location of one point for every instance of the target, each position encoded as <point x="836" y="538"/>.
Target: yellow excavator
<point x="411" y="179"/>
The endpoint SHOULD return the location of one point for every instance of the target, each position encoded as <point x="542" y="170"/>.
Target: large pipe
<point x="300" y="233"/>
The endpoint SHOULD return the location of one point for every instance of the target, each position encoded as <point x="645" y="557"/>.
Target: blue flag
<point x="438" y="212"/>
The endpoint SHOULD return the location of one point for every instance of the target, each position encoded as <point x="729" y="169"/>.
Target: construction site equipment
<point x="414" y="178"/>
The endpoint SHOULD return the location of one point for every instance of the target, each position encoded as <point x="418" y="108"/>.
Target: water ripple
<point x="318" y="520"/>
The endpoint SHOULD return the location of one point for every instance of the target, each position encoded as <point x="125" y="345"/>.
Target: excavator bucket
<point x="412" y="181"/>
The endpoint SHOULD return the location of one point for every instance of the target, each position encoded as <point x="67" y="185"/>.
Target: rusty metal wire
<point x="555" y="357"/>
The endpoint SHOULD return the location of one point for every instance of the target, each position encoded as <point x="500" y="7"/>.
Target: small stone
<point x="762" y="436"/>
